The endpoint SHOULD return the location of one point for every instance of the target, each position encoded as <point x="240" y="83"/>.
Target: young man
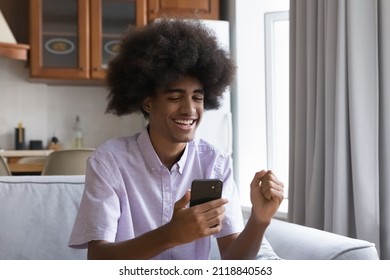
<point x="135" y="202"/>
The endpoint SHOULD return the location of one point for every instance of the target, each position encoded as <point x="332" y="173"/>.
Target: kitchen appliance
<point x="216" y="126"/>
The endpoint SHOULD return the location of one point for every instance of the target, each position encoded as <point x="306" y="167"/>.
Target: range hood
<point x="8" y="45"/>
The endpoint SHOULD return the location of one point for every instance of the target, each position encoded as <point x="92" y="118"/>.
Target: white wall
<point x="46" y="109"/>
<point x="248" y="99"/>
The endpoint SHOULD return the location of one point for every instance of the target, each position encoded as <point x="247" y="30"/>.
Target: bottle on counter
<point x="19" y="137"/>
<point x="77" y="134"/>
<point x="54" y="144"/>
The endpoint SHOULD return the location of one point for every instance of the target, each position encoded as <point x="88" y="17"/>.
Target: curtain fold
<point x="384" y="127"/>
<point x="339" y="125"/>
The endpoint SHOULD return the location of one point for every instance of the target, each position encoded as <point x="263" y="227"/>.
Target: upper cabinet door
<point x="59" y="38"/>
<point x="76" y="39"/>
<point x="202" y="9"/>
<point x="109" y="20"/>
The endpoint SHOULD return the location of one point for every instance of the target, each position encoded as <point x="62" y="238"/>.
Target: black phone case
<point x="204" y="190"/>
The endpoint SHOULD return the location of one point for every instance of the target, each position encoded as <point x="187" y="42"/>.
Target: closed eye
<point x="173" y="98"/>
<point x="174" y="95"/>
<point x="198" y="98"/>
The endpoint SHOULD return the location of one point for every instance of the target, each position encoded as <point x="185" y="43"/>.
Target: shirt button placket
<point x="167" y="197"/>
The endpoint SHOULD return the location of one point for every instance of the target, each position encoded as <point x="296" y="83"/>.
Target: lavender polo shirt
<point x="128" y="192"/>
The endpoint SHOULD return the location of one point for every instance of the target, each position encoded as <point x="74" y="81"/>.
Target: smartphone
<point x="204" y="190"/>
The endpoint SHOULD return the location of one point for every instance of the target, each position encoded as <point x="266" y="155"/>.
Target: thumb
<point x="182" y="202"/>
<point x="257" y="178"/>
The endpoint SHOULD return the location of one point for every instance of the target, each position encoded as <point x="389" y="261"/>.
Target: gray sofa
<point x="37" y="215"/>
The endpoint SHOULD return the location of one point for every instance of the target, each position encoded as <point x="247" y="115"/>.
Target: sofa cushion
<point x="266" y="251"/>
<point x="297" y="242"/>
<point x="37" y="216"/>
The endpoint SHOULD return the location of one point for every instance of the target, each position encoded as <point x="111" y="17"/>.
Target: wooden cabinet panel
<point x="110" y="19"/>
<point x="59" y="40"/>
<point x="15" y="13"/>
<point x="74" y="39"/>
<point x="205" y="9"/>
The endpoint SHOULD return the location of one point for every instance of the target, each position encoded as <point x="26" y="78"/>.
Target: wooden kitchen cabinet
<point x="74" y="39"/>
<point x="110" y="19"/>
<point x="204" y="9"/>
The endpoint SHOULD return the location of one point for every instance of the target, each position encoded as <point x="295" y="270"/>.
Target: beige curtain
<point x="340" y="119"/>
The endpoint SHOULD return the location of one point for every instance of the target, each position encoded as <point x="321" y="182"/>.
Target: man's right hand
<point x="189" y="224"/>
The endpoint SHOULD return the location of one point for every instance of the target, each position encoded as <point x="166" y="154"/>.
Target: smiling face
<point x="175" y="112"/>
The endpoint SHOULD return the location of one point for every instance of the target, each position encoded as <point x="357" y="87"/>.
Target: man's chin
<point x="186" y="136"/>
<point x="185" y="139"/>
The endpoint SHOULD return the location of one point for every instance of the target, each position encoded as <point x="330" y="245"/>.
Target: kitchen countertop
<point x="25" y="153"/>
<point x="33" y="166"/>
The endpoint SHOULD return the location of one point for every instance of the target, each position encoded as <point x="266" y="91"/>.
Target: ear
<point x="147" y="105"/>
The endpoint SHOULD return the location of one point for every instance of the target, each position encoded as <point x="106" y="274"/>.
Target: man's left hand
<point x="266" y="195"/>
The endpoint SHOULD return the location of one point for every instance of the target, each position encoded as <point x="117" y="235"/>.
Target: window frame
<point x="273" y="159"/>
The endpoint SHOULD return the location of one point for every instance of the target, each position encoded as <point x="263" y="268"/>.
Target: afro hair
<point x="158" y="54"/>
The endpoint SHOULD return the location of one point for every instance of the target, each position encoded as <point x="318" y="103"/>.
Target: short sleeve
<point x="99" y="208"/>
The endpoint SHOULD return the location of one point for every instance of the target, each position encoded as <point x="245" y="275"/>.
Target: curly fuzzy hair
<point x="156" y="55"/>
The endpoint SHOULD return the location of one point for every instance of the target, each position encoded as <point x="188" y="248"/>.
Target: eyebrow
<point x="171" y="90"/>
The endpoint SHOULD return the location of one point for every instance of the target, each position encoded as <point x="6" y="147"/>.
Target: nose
<point x="188" y="106"/>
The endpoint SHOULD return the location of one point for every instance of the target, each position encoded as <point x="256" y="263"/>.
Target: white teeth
<point x="185" y="122"/>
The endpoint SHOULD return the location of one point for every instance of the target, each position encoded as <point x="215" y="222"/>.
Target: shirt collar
<point x="151" y="157"/>
<point x="182" y="161"/>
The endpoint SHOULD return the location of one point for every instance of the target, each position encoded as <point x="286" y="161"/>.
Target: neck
<point x="170" y="158"/>
<point x="169" y="153"/>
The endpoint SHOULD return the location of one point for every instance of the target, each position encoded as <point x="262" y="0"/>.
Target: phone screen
<point x="204" y="190"/>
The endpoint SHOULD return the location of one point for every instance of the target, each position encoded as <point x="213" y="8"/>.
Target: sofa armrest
<point x="37" y="216"/>
<point x="297" y="242"/>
